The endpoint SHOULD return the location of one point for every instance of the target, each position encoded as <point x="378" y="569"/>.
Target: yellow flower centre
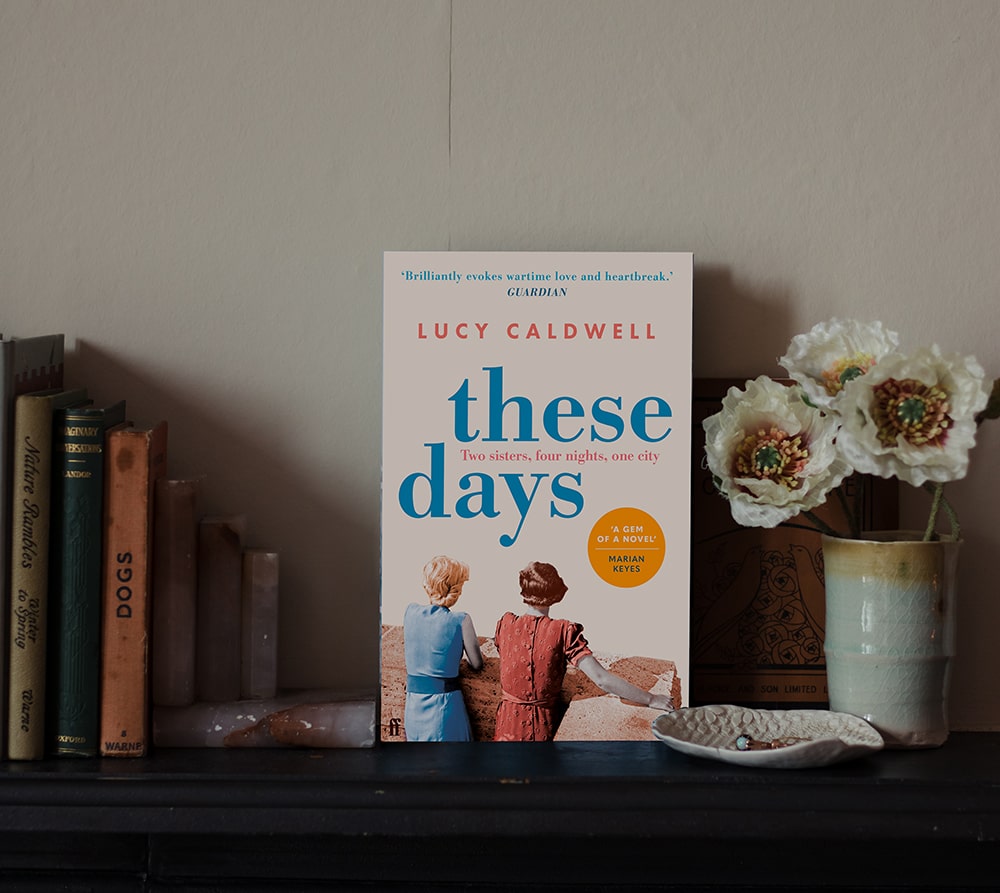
<point x="912" y="410"/>
<point x="772" y="455"/>
<point x="845" y="369"/>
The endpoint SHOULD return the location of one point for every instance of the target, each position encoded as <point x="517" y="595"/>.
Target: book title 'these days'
<point x="564" y="419"/>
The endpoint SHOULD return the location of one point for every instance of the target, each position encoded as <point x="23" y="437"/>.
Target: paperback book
<point x="535" y="494"/>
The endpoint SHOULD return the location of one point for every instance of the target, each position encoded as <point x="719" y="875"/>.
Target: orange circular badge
<point x="626" y="547"/>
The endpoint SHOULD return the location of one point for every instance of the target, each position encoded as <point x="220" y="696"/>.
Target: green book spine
<point x="75" y="577"/>
<point x="31" y="485"/>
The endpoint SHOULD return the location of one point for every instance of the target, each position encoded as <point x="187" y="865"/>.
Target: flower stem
<point x="949" y="510"/>
<point x="938" y="502"/>
<point x="937" y="495"/>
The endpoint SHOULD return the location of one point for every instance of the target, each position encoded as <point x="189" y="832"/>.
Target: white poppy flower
<point x="772" y="454"/>
<point x="833" y="353"/>
<point x="913" y="417"/>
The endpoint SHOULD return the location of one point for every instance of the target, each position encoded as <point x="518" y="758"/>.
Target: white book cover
<point x="536" y="451"/>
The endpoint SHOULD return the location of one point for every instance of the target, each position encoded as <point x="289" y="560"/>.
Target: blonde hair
<point x="443" y="580"/>
<point x="541" y="584"/>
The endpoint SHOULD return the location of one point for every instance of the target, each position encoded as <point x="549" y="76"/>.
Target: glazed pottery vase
<point x="890" y="632"/>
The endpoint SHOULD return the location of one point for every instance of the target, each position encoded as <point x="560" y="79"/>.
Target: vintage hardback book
<point x="218" y="635"/>
<point x="259" y="623"/>
<point x="536" y="440"/>
<point x="26" y="364"/>
<point x="32" y="481"/>
<point x="76" y="555"/>
<point x="175" y="589"/>
<point x="136" y="459"/>
<point x="758" y="606"/>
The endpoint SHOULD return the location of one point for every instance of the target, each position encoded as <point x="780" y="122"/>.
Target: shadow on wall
<point x="329" y="601"/>
<point x="740" y="330"/>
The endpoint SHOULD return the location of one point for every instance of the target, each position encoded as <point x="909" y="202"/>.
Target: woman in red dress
<point x="535" y="650"/>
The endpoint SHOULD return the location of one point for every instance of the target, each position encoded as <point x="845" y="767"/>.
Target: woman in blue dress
<point x="435" y="638"/>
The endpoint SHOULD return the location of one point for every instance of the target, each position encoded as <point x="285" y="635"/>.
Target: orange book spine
<point x="136" y="459"/>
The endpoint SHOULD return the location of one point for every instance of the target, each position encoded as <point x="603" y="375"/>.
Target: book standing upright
<point x="537" y="411"/>
<point x="136" y="459"/>
<point x="26" y="364"/>
<point x="74" y="640"/>
<point x="32" y="489"/>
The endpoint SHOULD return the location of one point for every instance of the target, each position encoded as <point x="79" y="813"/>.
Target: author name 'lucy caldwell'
<point x="531" y="331"/>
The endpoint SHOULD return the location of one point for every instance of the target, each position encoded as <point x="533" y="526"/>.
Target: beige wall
<point x="198" y="192"/>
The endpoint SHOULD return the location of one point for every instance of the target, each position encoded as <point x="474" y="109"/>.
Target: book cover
<point x="26" y="364"/>
<point x="136" y="459"/>
<point x="535" y="494"/>
<point x="74" y="640"/>
<point x="175" y="589"/>
<point x="29" y="559"/>
<point x="758" y="603"/>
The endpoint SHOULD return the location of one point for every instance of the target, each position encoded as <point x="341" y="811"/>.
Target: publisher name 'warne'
<point x="535" y="331"/>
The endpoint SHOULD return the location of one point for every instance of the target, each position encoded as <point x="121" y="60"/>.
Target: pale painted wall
<point x="198" y="192"/>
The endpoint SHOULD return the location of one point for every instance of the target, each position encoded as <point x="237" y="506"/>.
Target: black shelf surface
<point x="585" y="815"/>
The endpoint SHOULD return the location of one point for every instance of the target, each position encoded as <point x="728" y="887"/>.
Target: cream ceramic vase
<point x="890" y="632"/>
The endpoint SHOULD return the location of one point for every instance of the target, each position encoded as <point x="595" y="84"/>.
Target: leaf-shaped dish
<point x="819" y="737"/>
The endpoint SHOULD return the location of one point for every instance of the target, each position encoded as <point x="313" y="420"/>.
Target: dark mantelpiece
<point x="605" y="817"/>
